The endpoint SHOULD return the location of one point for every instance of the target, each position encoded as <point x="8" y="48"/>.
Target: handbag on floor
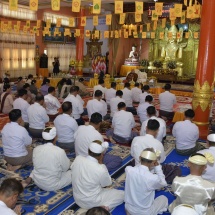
<point x="170" y="172"/>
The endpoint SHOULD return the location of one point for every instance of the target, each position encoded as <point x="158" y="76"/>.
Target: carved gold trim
<point x="202" y="95"/>
<point x="201" y="123"/>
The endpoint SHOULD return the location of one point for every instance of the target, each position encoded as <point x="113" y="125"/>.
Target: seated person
<point x="10" y="190"/>
<point x="193" y="189"/>
<point x="144" y="94"/>
<point x="142" y="142"/>
<point x="89" y="179"/>
<point x="66" y="126"/>
<point x="37" y="117"/>
<point x="186" y="134"/>
<point x="140" y="186"/>
<point x="15" y="140"/>
<point x="115" y="101"/>
<point x="82" y="87"/>
<point x="101" y="87"/>
<point x="136" y="91"/>
<point x="52" y="104"/>
<point x="110" y="93"/>
<point x="33" y="89"/>
<point x="45" y="86"/>
<point x="20" y="83"/>
<point x="66" y="89"/>
<point x="122" y="123"/>
<point x="142" y="108"/>
<point x="97" y="211"/>
<point x="51" y="165"/>
<point x="6" y="100"/>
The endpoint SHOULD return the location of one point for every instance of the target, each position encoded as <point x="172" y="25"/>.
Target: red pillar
<point x="80" y="45"/>
<point x="204" y="82"/>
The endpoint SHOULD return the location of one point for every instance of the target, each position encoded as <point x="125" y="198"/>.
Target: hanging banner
<point x="163" y="23"/>
<point x="159" y="8"/>
<point x="71" y="22"/>
<point x="25" y="29"/>
<point x="154" y="15"/>
<point x="148" y="26"/>
<point x="185" y="2"/>
<point x="38" y="23"/>
<point x="35" y="29"/>
<point x="178" y="10"/>
<point x="106" y="34"/>
<point x="16" y="29"/>
<point x="83" y="21"/>
<point x="143" y="35"/>
<point x="190" y="12"/>
<point x="126" y="34"/>
<point x="96" y="34"/>
<point x="196" y="35"/>
<point x="161" y="36"/>
<point x="178" y="35"/>
<point x="118" y="7"/>
<point x="116" y="34"/>
<point x="155" y="24"/>
<point x="48" y="23"/>
<point x="77" y="32"/>
<point x="18" y="23"/>
<point x="76" y="4"/>
<point x="187" y="35"/>
<point x="138" y="17"/>
<point x="28" y="24"/>
<point x="55" y="5"/>
<point x="33" y="4"/>
<point x="139" y="7"/>
<point x="96" y="6"/>
<point x="190" y="2"/>
<point x="67" y="32"/>
<point x="183" y="17"/>
<point x="152" y="35"/>
<point x="121" y="18"/>
<point x="135" y="34"/>
<point x="197" y="10"/>
<point x="58" y="23"/>
<point x="108" y="19"/>
<point x="13" y="4"/>
<point x="95" y="20"/>
<point x="172" y="15"/>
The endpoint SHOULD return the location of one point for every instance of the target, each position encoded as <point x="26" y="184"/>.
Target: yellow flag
<point x="25" y="29"/>
<point x="48" y="23"/>
<point x="28" y="23"/>
<point x="33" y="4"/>
<point x="159" y="8"/>
<point x="190" y="12"/>
<point x="96" y="6"/>
<point x="138" y="17"/>
<point x="116" y="34"/>
<point x="172" y="15"/>
<point x="187" y="35"/>
<point x="95" y="20"/>
<point x="118" y="7"/>
<point x="190" y="2"/>
<point x="76" y="4"/>
<point x="129" y="32"/>
<point x="138" y="7"/>
<point x="155" y="24"/>
<point x="135" y="34"/>
<point x="108" y="19"/>
<point x="83" y="21"/>
<point x="55" y="5"/>
<point x="96" y="34"/>
<point x="143" y="35"/>
<point x="13" y="4"/>
<point x="87" y="33"/>
<point x="161" y="35"/>
<point x="163" y="22"/>
<point x="106" y="34"/>
<point x="196" y="10"/>
<point x="152" y="34"/>
<point x="67" y="32"/>
<point x="111" y="34"/>
<point x="58" y="24"/>
<point x="126" y="34"/>
<point x="178" y="10"/>
<point x="38" y="23"/>
<point x="154" y="15"/>
<point x="148" y="26"/>
<point x="35" y="29"/>
<point x="185" y="2"/>
<point x="122" y="18"/>
<point x="71" y="22"/>
<point x="183" y="17"/>
<point x="196" y="35"/>
<point x="77" y="32"/>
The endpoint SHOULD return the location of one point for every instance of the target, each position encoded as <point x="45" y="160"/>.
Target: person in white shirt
<point x="89" y="179"/>
<point x="193" y="189"/>
<point x="97" y="105"/>
<point x="77" y="106"/>
<point x="110" y="93"/>
<point x="30" y="78"/>
<point x="144" y="94"/>
<point x="127" y="96"/>
<point x="140" y="186"/>
<point x="122" y="123"/>
<point x="15" y="140"/>
<point x="115" y="101"/>
<point x="141" y="110"/>
<point x="37" y="117"/>
<point x="52" y="104"/>
<point x="66" y="126"/>
<point x="186" y="134"/>
<point x="142" y="142"/>
<point x="100" y="87"/>
<point x="23" y="105"/>
<point x="81" y="100"/>
<point x="51" y="170"/>
<point x="167" y="100"/>
<point x="10" y="190"/>
<point x="136" y="91"/>
<point x="209" y="173"/>
<point x="6" y="100"/>
<point x="151" y="112"/>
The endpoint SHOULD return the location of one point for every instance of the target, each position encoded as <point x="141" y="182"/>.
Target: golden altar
<point x="125" y="69"/>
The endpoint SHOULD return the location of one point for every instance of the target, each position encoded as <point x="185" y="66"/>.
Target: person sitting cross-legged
<point x="51" y="165"/>
<point x="110" y="93"/>
<point x="140" y="186"/>
<point x="145" y="93"/>
<point x="136" y="91"/>
<point x="15" y="140"/>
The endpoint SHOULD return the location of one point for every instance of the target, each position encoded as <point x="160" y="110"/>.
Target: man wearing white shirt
<point x="51" y="170"/>
<point x="110" y="93"/>
<point x="140" y="186"/>
<point x="100" y="87"/>
<point x="15" y="140"/>
<point x="167" y="100"/>
<point x="144" y="94"/>
<point x="122" y="123"/>
<point x="186" y="134"/>
<point x="10" y="190"/>
<point x="89" y="179"/>
<point x="142" y="142"/>
<point x="52" y="104"/>
<point x="136" y="91"/>
<point x="77" y="106"/>
<point x="66" y="126"/>
<point x="97" y="105"/>
<point x="141" y="110"/>
<point x="21" y="104"/>
<point x="151" y="111"/>
<point x="37" y="117"/>
<point x="115" y="101"/>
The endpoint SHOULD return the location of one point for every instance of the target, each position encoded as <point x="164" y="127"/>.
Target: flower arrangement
<point x="171" y="65"/>
<point x="157" y="64"/>
<point x="144" y="63"/>
<point x="98" y="64"/>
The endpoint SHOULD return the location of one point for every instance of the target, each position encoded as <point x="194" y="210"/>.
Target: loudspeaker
<point x="43" y="61"/>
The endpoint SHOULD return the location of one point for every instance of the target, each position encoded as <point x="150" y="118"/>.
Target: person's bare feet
<point x="18" y="209"/>
<point x="112" y="140"/>
<point x="26" y="182"/>
<point x="13" y="168"/>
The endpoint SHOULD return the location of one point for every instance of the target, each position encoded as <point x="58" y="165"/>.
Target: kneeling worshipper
<point x="110" y="93"/>
<point x="209" y="173"/>
<point x="193" y="189"/>
<point x="16" y="142"/>
<point x="51" y="165"/>
<point x="122" y="123"/>
<point x="140" y="186"/>
<point x="6" y="100"/>
<point x="184" y="209"/>
<point x="66" y="126"/>
<point x="89" y="179"/>
<point x="144" y="94"/>
<point x="142" y="142"/>
<point x="136" y="91"/>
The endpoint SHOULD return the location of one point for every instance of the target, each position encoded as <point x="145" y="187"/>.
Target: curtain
<point x="17" y="52"/>
<point x="65" y="52"/>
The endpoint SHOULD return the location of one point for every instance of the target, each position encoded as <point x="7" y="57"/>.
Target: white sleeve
<point x="64" y="161"/>
<point x="135" y="152"/>
<point x="105" y="179"/>
<point x="45" y="116"/>
<point x="143" y="128"/>
<point x="174" y="130"/>
<point x="27" y="139"/>
<point x="133" y="121"/>
<point x="57" y="103"/>
<point x="80" y="107"/>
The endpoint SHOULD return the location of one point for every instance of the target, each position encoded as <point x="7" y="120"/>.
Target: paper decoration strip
<point x="185" y="2"/>
<point x="121" y="18"/>
<point x="55" y="5"/>
<point x="77" y="32"/>
<point x="159" y="8"/>
<point x="87" y="33"/>
<point x="148" y="26"/>
<point x="139" y="7"/>
<point x="48" y="23"/>
<point x="38" y="23"/>
<point x="187" y="35"/>
<point x="13" y="5"/>
<point x="106" y="34"/>
<point x="95" y="20"/>
<point x="154" y="15"/>
<point x="178" y="10"/>
<point x="118" y="7"/>
<point x="83" y="21"/>
<point x="33" y="4"/>
<point x="126" y="34"/>
<point x="96" y="6"/>
<point x="58" y="24"/>
<point x="96" y="34"/>
<point x="71" y="22"/>
<point x="116" y="34"/>
<point x="190" y="12"/>
<point x="172" y="15"/>
<point x="138" y="17"/>
<point x="76" y="5"/>
<point x="190" y="2"/>
<point x="152" y="35"/>
<point x="108" y="19"/>
<point x="28" y="23"/>
<point x="111" y="34"/>
<point x="143" y="35"/>
<point x="163" y="22"/>
<point x="196" y="35"/>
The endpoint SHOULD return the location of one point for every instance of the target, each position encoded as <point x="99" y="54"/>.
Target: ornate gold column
<point x="204" y="83"/>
